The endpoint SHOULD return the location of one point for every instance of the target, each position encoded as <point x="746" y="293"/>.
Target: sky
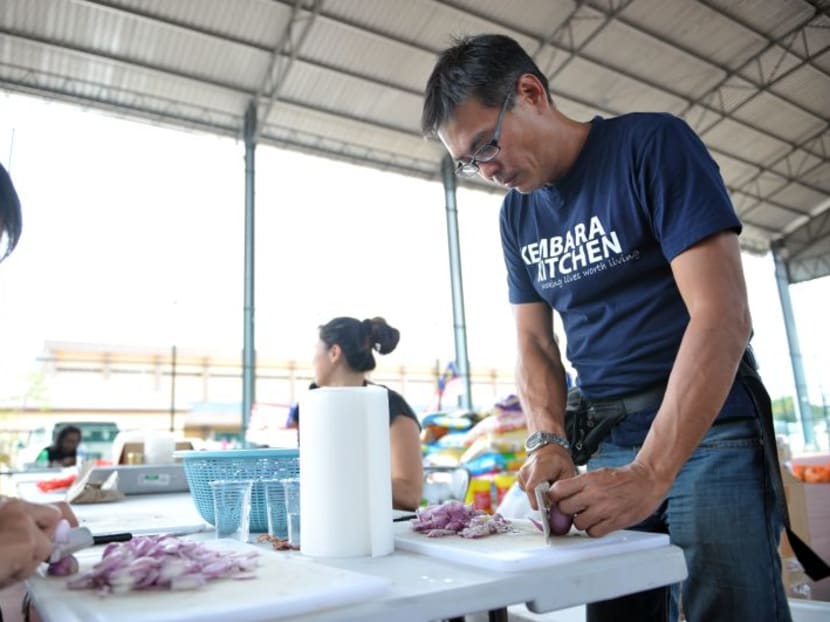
<point x="133" y="234"/>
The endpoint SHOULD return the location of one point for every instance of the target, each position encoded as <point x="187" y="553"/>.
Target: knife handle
<point x="112" y="537"/>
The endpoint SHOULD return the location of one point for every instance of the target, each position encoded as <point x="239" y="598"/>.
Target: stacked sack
<point x="442" y="437"/>
<point x="490" y="446"/>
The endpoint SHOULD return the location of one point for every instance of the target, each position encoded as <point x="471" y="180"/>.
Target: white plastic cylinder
<point x="158" y="448"/>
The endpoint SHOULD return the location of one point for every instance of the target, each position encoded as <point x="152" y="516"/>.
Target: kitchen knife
<point x="541" y="492"/>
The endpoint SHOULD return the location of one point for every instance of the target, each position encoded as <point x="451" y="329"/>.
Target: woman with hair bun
<point x="344" y="354"/>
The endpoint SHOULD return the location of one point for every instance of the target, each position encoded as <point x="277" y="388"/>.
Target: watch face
<point x="533" y="441"/>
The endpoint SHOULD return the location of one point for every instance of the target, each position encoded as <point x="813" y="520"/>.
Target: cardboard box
<point x="137" y="449"/>
<point x="809" y="507"/>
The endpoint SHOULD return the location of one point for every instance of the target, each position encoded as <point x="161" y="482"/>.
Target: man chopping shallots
<point x="625" y="228"/>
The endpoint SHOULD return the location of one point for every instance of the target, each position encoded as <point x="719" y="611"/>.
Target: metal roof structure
<point x="344" y="79"/>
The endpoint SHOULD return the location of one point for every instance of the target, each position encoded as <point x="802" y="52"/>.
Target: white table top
<point x="422" y="588"/>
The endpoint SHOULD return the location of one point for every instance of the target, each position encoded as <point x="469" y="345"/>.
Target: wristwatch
<point x="540" y="439"/>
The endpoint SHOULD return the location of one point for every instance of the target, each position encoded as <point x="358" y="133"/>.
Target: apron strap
<point x="814" y="566"/>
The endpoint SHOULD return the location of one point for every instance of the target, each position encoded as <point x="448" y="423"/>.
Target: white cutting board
<point x="285" y="585"/>
<point x="524" y="548"/>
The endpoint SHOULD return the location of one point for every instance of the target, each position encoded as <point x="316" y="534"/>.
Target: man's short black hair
<point x="486" y="67"/>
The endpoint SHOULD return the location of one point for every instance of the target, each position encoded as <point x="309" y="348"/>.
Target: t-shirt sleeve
<point x="399" y="408"/>
<point x="685" y="194"/>
<point x="519" y="285"/>
<point x="293" y="419"/>
<point x="294" y="409"/>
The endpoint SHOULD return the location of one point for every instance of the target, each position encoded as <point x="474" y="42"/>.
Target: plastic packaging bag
<point x="515" y="504"/>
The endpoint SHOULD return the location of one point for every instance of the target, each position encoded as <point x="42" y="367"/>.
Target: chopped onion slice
<point x="161" y="562"/>
<point x="453" y="517"/>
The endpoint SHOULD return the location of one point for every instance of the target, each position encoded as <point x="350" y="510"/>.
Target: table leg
<point x="497" y="615"/>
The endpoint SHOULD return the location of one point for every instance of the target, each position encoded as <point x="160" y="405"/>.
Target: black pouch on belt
<point x="585" y="427"/>
<point x="588" y="422"/>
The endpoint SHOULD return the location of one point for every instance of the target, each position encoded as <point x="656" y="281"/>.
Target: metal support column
<point x="803" y="410"/>
<point x="173" y="388"/>
<point x="459" y="323"/>
<point x="248" y="350"/>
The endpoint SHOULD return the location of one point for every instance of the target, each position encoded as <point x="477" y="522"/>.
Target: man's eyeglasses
<point x="486" y="152"/>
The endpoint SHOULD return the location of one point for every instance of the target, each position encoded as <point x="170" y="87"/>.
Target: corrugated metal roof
<point x="343" y="78"/>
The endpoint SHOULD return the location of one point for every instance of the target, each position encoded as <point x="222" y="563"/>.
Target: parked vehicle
<point x="96" y="436"/>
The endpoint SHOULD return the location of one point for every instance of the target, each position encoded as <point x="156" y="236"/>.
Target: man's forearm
<point x="540" y="379"/>
<point x="701" y="378"/>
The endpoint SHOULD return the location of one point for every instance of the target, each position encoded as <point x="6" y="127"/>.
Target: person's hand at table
<point x="547" y="464"/>
<point x="605" y="500"/>
<point x="26" y="536"/>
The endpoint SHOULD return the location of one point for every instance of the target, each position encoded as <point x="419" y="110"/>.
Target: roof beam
<point x="304" y="105"/>
<point x="726" y="15"/>
<point x="764" y="228"/>
<point x="365" y="29"/>
<point x="757" y="196"/>
<point x="239" y="89"/>
<point x="763" y="87"/>
<point x="728" y="72"/>
<point x="170" y="115"/>
<point x="817" y="137"/>
<point x="121" y="60"/>
<point x="564" y="26"/>
<point x="758" y="168"/>
<point x="759" y="199"/>
<point x="607" y="18"/>
<point x="343" y="151"/>
<point x="221" y="36"/>
<point x="283" y="58"/>
<point x="666" y="89"/>
<point x="157" y="18"/>
<point x="807" y="248"/>
<point x="602" y="63"/>
<point x="387" y="36"/>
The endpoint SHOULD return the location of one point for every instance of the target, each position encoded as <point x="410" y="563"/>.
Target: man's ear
<point x="531" y="90"/>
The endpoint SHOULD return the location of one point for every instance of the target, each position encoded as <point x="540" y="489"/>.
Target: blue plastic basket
<point x="203" y="467"/>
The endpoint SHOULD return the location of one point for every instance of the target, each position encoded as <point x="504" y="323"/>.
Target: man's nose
<point x="488" y="169"/>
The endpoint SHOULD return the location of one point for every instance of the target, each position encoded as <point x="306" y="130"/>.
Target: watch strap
<point x="540" y="439"/>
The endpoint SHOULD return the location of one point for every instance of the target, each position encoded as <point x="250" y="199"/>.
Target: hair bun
<point x="384" y="338"/>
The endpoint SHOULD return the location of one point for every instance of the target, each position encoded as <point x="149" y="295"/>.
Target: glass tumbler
<point x="292" y="509"/>
<point x="232" y="508"/>
<point x="275" y="506"/>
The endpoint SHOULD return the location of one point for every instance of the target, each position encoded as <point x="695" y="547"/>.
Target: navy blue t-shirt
<point x="596" y="246"/>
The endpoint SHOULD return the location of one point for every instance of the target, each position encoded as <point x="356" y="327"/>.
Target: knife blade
<point x="76" y="539"/>
<point x="541" y="492"/>
<point x="79" y="538"/>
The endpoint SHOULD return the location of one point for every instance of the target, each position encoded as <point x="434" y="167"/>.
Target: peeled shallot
<point x="63" y="567"/>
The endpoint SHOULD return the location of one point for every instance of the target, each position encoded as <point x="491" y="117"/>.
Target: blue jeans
<point x="721" y="511"/>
